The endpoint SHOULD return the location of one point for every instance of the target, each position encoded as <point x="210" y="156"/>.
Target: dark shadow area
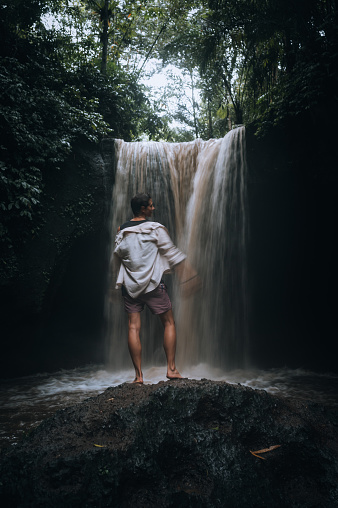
<point x="73" y="334"/>
<point x="52" y="297"/>
<point x="293" y="269"/>
<point x="69" y="331"/>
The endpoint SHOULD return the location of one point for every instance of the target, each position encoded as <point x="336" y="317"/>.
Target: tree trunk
<point x="193" y="103"/>
<point x="104" y="36"/>
<point x="211" y="131"/>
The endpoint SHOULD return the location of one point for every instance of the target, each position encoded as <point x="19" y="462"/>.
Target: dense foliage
<point x="71" y="69"/>
<point x="260" y="60"/>
<point x="52" y="95"/>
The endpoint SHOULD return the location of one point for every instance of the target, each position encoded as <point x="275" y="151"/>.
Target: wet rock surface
<point x="178" y="443"/>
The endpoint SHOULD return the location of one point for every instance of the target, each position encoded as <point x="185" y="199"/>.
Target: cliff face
<point x="293" y="195"/>
<point x="52" y="286"/>
<point x="178" y="443"/>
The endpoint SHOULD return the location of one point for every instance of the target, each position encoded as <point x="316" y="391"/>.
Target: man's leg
<point x="169" y="343"/>
<point x="134" y="344"/>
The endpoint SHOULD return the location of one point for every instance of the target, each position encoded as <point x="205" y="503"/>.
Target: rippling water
<point x="27" y="401"/>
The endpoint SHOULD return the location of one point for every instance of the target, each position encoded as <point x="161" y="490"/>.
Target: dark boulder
<point x="177" y="444"/>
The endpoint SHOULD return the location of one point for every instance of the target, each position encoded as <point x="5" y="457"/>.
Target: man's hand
<point x="114" y="295"/>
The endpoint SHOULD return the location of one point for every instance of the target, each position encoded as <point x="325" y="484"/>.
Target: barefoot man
<point x="143" y="253"/>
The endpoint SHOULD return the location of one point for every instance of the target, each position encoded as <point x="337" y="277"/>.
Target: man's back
<point x="145" y="252"/>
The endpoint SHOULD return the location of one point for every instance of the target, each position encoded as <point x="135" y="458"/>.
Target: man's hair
<point x="139" y="200"/>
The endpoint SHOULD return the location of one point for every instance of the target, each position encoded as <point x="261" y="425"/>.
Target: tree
<point x="40" y="119"/>
<point x="279" y="47"/>
<point x="265" y="59"/>
<point x="104" y="10"/>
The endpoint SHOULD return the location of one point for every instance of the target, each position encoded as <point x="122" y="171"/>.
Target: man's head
<point x="142" y="204"/>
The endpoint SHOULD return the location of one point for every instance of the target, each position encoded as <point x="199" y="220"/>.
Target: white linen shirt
<point x="143" y="253"/>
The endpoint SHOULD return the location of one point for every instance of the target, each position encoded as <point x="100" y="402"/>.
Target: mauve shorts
<point x="158" y="301"/>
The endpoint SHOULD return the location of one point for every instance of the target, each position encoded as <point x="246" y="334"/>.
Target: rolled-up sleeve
<point x="167" y="249"/>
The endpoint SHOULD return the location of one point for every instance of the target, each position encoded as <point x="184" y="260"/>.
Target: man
<point x="144" y="252"/>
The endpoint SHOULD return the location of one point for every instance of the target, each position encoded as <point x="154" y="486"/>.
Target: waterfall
<point x="199" y="192"/>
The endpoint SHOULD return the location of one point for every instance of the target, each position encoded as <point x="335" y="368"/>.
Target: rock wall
<point x="51" y="296"/>
<point x="293" y="195"/>
<point x="52" y="303"/>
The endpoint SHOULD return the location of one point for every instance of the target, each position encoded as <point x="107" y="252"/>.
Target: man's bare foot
<point x="173" y="374"/>
<point x="138" y="379"/>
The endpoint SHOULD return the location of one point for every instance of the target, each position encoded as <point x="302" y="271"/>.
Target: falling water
<point x="214" y="324"/>
<point x="199" y="191"/>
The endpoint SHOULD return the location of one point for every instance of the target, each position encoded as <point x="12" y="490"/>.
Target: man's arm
<point x="167" y="248"/>
<point x="188" y="278"/>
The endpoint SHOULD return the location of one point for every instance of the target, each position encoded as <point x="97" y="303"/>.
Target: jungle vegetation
<point x="73" y="69"/>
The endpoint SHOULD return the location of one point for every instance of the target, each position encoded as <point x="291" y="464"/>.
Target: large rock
<point x="177" y="444"/>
